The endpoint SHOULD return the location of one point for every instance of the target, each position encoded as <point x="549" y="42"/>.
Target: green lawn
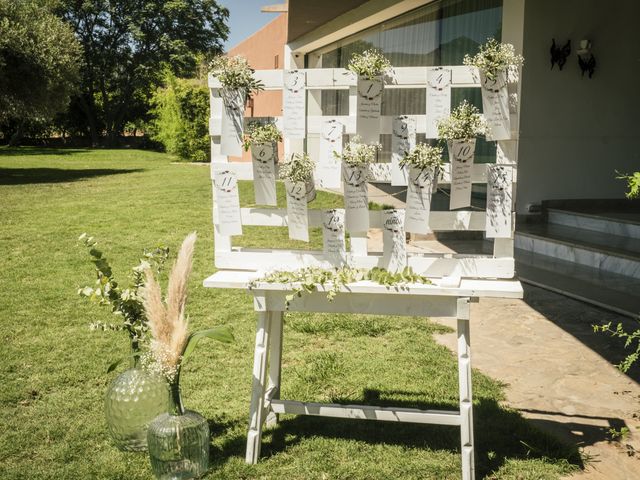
<point x="53" y="368"/>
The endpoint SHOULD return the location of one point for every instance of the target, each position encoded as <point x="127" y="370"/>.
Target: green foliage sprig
<point x="357" y="154"/>
<point x="630" y="339"/>
<point x="127" y="302"/>
<point x="370" y="64"/>
<point x="633" y="184"/>
<point x="423" y="156"/>
<point x="261" y="133"/>
<point x="235" y="73"/>
<point x="307" y="280"/>
<point x="463" y="123"/>
<point x="494" y="57"/>
<point x="299" y="168"/>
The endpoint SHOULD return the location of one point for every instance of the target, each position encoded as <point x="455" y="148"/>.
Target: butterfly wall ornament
<point x="559" y="54"/>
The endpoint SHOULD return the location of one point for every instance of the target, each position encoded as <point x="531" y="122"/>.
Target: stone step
<point x="618" y="293"/>
<point x="613" y="223"/>
<point x="611" y="253"/>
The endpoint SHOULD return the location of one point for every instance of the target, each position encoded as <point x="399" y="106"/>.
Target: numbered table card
<point x="394" y="254"/>
<point x="495" y="105"/>
<point x="264" y="157"/>
<point x="499" y="201"/>
<point x="461" y="154"/>
<point x="356" y="198"/>
<point x="419" y="200"/>
<point x="297" y="212"/>
<point x="403" y="140"/>
<point x="368" y="108"/>
<point x="227" y="202"/>
<point x="438" y="98"/>
<point x="294" y="104"/>
<point x="334" y="246"/>
<point x="328" y="170"/>
<point x="232" y="124"/>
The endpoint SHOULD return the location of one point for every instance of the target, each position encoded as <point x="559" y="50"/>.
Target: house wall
<point x="576" y="132"/>
<point x="265" y="51"/>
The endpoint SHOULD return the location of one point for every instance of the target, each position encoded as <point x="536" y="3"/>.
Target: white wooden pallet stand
<point x="458" y="279"/>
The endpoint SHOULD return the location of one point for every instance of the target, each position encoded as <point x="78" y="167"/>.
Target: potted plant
<point x="424" y="162"/>
<point x="369" y="66"/>
<point x="136" y="396"/>
<point x="356" y="157"/>
<point x="263" y="140"/>
<point x="238" y="84"/>
<point x="498" y="65"/>
<point x="178" y="439"/>
<point x="460" y="130"/>
<point x="297" y="172"/>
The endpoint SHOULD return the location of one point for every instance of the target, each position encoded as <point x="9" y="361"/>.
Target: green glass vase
<point x="178" y="441"/>
<point x="132" y="401"/>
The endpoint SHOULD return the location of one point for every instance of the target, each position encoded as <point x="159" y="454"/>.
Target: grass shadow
<point x="22" y="151"/>
<point x="29" y="176"/>
<point x="501" y="434"/>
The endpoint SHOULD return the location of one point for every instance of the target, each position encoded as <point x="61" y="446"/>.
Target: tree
<point x="39" y="65"/>
<point x="128" y="44"/>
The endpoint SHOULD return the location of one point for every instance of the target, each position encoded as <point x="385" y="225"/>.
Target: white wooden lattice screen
<point x="498" y="265"/>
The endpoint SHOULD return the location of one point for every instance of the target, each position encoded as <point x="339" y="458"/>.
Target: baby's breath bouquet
<point x="299" y="168"/>
<point x="357" y="154"/>
<point x="494" y="57"/>
<point x="369" y="64"/>
<point x="464" y="122"/>
<point x="423" y="156"/>
<point x="235" y="73"/>
<point x="261" y="133"/>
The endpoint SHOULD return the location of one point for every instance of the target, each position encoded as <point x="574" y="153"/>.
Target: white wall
<point x="575" y="132"/>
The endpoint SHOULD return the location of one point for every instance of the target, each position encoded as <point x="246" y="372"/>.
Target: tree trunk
<point x="17" y="135"/>
<point x="89" y="111"/>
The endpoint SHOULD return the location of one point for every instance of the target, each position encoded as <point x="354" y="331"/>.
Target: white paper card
<point x="293" y="104"/>
<point x="499" y="201"/>
<point x="368" y="108"/>
<point x="328" y="170"/>
<point x="419" y="200"/>
<point x="495" y="106"/>
<point x="394" y="253"/>
<point x="403" y="139"/>
<point x="298" y="218"/>
<point x="356" y="198"/>
<point x="438" y="98"/>
<point x="227" y="202"/>
<point x="264" y="157"/>
<point x="461" y="154"/>
<point x="334" y="246"/>
<point x="232" y="123"/>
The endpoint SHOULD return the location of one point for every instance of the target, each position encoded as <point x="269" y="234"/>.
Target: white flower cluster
<point x="463" y="123"/>
<point x="160" y="361"/>
<point x="370" y="63"/>
<point x="235" y="73"/>
<point x="299" y="168"/>
<point x="356" y="154"/>
<point x="423" y="156"/>
<point x="494" y="57"/>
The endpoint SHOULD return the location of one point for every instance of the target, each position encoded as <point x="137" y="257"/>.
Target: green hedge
<point x="180" y="118"/>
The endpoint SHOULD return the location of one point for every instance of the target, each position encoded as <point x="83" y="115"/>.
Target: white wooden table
<point x="368" y="298"/>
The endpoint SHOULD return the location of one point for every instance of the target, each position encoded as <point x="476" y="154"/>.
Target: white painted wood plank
<point x="367" y="412"/>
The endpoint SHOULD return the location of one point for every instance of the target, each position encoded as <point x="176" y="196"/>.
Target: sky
<point x="246" y="18"/>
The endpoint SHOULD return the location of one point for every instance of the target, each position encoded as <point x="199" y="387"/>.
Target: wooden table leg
<point x="257" y="410"/>
<point x="275" y="363"/>
<point x="466" y="398"/>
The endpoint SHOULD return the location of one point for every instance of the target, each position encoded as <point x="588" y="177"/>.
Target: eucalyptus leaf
<point x="222" y="334"/>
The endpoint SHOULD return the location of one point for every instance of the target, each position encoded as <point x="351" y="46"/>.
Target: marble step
<point x="618" y="293"/>
<point x="621" y="224"/>
<point x="611" y="253"/>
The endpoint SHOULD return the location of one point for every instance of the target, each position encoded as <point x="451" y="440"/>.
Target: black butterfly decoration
<point x="559" y="54"/>
<point x="587" y="65"/>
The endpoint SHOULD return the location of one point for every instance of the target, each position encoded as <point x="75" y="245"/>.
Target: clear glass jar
<point x="132" y="401"/>
<point x="178" y="441"/>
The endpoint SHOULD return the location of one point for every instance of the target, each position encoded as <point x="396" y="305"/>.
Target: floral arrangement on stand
<point x="464" y="123"/>
<point x="136" y="396"/>
<point x="299" y="168"/>
<point x="494" y="57"/>
<point x="358" y="155"/>
<point x="369" y="64"/>
<point x="178" y="439"/>
<point x="422" y="157"/>
<point x="261" y="133"/>
<point x="234" y="73"/>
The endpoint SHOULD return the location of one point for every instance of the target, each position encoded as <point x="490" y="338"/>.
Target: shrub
<point x="180" y="123"/>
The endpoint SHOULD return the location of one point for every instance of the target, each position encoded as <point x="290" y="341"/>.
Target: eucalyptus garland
<point x="306" y="280"/>
<point x="494" y="57"/>
<point x="356" y="154"/>
<point x="370" y="64"/>
<point x="463" y="123"/>
<point x="423" y="156"/>
<point x="261" y="133"/>
<point x="299" y="168"/>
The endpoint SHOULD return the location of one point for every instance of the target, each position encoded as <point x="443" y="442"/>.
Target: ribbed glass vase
<point x="178" y="441"/>
<point x="132" y="401"/>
